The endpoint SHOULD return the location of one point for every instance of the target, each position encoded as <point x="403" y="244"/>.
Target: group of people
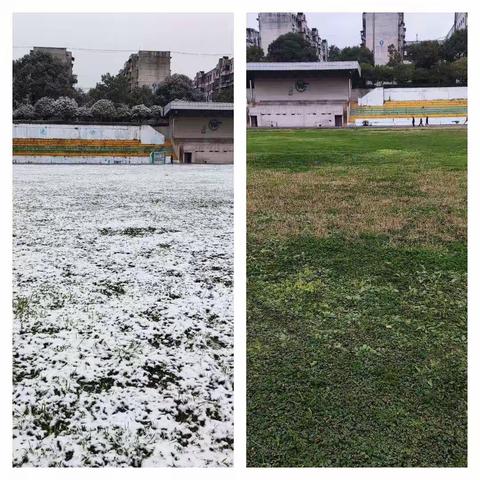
<point x="420" y="124"/>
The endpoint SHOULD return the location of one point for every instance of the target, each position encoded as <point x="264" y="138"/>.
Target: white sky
<point x="183" y="32"/>
<point x="343" y="29"/>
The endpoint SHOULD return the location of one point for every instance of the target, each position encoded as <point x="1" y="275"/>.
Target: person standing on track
<point x="413" y="121"/>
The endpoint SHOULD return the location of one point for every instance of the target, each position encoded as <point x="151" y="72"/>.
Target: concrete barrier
<point x="143" y="133"/>
<point x="380" y="94"/>
<point x="427" y="93"/>
<point x="375" y="97"/>
<point x="90" y="144"/>
<point x="62" y="160"/>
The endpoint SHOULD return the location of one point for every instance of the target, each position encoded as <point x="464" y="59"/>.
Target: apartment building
<point x="380" y="30"/>
<point x="216" y="80"/>
<point x="147" y="68"/>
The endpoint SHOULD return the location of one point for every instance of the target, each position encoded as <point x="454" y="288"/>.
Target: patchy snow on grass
<point x="123" y="311"/>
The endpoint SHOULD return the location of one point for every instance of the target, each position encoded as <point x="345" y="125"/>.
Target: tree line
<point x="428" y="63"/>
<point x="291" y="47"/>
<point x="44" y="89"/>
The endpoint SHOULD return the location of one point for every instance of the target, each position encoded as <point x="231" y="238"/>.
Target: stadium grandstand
<point x="442" y="106"/>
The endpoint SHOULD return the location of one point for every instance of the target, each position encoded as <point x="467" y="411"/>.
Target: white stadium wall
<point x="297" y="115"/>
<point x="209" y="152"/>
<point x="427" y="93"/>
<point x="145" y="133"/>
<point x="198" y="127"/>
<point x="150" y="136"/>
<point x="319" y="88"/>
<point x="372" y="98"/>
<point x="380" y="94"/>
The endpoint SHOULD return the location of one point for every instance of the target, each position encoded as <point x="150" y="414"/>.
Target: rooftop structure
<point x="61" y="54"/>
<point x="460" y="22"/>
<point x="216" y="80"/>
<point x="147" y="68"/>
<point x="273" y="25"/>
<point x="253" y="38"/>
<point x="184" y="105"/>
<point x="202" y="132"/>
<point x="380" y="31"/>
<point x="300" y="94"/>
<point x="302" y="66"/>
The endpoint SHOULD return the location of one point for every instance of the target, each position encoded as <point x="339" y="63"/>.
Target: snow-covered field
<point x="123" y="303"/>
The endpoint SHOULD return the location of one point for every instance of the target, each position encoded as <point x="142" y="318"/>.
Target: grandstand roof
<point x="205" y="106"/>
<point x="302" y="66"/>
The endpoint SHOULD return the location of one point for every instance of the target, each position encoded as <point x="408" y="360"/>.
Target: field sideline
<point x="357" y="297"/>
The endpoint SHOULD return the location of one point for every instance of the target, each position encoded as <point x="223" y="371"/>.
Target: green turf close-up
<point x="357" y="298"/>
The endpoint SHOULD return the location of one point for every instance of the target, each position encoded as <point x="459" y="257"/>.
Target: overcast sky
<point x="343" y="29"/>
<point x="196" y="33"/>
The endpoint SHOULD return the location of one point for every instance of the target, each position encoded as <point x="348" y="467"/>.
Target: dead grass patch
<point x="423" y="206"/>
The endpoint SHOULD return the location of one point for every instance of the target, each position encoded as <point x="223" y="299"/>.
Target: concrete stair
<point x="402" y="109"/>
<point x="84" y="148"/>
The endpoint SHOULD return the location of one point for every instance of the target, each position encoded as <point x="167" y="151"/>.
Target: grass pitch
<point x="123" y="316"/>
<point x="357" y="298"/>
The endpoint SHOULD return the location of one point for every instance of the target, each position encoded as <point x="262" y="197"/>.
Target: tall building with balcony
<point x="320" y="45"/>
<point x="147" y="68"/>
<point x="61" y="54"/>
<point x="460" y="22"/>
<point x="273" y="25"/>
<point x="216" y="80"/>
<point x="324" y="50"/>
<point x="253" y="38"/>
<point x="380" y="30"/>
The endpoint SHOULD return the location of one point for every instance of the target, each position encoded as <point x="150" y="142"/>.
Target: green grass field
<point x="357" y="298"/>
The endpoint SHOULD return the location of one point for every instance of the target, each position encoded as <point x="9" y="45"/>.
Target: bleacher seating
<point x="83" y="148"/>
<point x="403" y="109"/>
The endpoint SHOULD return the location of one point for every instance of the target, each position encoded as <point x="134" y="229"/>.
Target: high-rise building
<point x="61" y="54"/>
<point x="273" y="25"/>
<point x="380" y="30"/>
<point x="324" y="51"/>
<point x="320" y="45"/>
<point x="460" y="20"/>
<point x="147" y="68"/>
<point x="459" y="23"/>
<point x="253" y="38"/>
<point x="214" y="81"/>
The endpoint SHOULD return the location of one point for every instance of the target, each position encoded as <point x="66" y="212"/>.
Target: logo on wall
<point x="301" y="85"/>
<point x="214" y="124"/>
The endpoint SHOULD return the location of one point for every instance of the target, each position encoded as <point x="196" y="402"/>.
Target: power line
<point x="106" y="50"/>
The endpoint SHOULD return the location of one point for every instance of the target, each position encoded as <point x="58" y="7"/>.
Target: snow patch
<point x="123" y="333"/>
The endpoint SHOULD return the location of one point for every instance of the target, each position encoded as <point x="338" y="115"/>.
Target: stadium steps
<point x="75" y="142"/>
<point x="391" y="109"/>
<point x="426" y="103"/>
<point x="85" y="148"/>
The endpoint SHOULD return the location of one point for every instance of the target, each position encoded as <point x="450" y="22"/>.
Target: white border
<point x="240" y="9"/>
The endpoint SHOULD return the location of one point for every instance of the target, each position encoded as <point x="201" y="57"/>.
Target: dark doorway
<point x="338" y="120"/>
<point x="187" y="157"/>
<point x="253" y="120"/>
